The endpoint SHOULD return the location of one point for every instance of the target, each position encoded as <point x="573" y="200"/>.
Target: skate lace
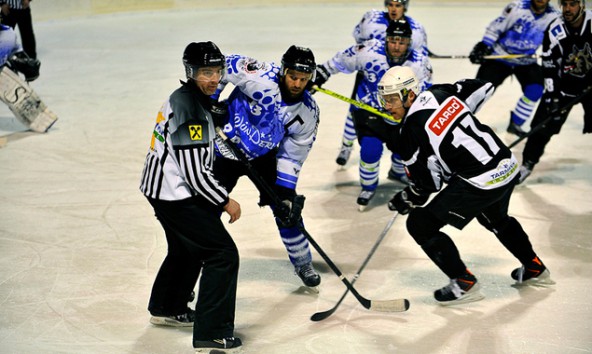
<point x="307" y="271"/>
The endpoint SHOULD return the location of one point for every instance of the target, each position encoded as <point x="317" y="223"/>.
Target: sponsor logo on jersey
<point x="195" y="132"/>
<point x="505" y="169"/>
<point x="445" y="116"/>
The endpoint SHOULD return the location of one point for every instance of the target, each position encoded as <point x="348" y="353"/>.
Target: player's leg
<point x="531" y="80"/>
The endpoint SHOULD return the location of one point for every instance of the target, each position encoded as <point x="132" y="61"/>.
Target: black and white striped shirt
<point x="179" y="162"/>
<point x="13" y="4"/>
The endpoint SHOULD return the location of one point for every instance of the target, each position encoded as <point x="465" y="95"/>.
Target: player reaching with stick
<point x="442" y="143"/>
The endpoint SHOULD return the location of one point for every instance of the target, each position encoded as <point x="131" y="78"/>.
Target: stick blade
<point x="319" y="316"/>
<point x="397" y="305"/>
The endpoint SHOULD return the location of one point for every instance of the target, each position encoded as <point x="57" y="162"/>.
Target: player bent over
<point x="442" y="142"/>
<point x="18" y="96"/>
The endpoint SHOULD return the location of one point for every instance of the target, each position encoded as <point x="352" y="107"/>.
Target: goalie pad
<point x="24" y="102"/>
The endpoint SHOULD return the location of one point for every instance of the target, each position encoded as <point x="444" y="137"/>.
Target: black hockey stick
<point x="486" y="57"/>
<point x="396" y="305"/>
<point x="319" y="316"/>
<point x="552" y="115"/>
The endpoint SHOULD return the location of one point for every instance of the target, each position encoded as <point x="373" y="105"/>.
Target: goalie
<point x="16" y="93"/>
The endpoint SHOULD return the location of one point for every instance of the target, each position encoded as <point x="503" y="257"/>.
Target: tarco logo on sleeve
<point x="445" y="116"/>
<point x="195" y="132"/>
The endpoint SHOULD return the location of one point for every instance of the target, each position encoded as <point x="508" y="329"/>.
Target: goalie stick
<point x="552" y="114"/>
<point x="358" y="104"/>
<point x="396" y="305"/>
<point x="319" y="316"/>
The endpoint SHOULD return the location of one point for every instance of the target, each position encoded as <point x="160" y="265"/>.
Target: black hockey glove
<point x="479" y="51"/>
<point x="21" y="63"/>
<point x="321" y="76"/>
<point x="289" y="212"/>
<point x="220" y="113"/>
<point x="407" y="199"/>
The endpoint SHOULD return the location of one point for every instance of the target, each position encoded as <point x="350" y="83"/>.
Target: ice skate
<point x="525" y="171"/>
<point x="460" y="291"/>
<point x="398" y="177"/>
<point x="344" y="154"/>
<point x="364" y="198"/>
<point x="515" y="129"/>
<point x="183" y="320"/>
<point x="224" y="345"/>
<point x="309" y="276"/>
<point x="535" y="274"/>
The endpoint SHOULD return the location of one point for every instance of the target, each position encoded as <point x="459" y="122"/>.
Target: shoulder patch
<point x="195" y="132"/>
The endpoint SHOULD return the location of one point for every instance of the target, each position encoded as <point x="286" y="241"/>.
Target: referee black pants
<point x="22" y="18"/>
<point x="197" y="241"/>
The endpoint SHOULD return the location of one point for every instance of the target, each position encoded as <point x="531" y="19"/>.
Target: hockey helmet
<point x="399" y="80"/>
<point x="299" y="59"/>
<point x="199" y="55"/>
<point x="399" y="29"/>
<point x="404" y="2"/>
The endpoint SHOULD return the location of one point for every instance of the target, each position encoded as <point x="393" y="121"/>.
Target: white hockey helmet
<point x="398" y="80"/>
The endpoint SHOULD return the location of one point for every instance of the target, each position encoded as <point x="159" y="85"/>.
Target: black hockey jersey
<point x="440" y="139"/>
<point x="567" y="56"/>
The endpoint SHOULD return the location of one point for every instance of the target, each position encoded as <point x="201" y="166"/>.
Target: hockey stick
<point x="552" y="114"/>
<point x="487" y="57"/>
<point x="396" y="305"/>
<point x="319" y="316"/>
<point x="358" y="104"/>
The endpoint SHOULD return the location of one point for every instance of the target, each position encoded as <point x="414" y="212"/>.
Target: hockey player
<point x="567" y="68"/>
<point x="273" y="120"/>
<point x="179" y="183"/>
<point x="518" y="30"/>
<point x="374" y="57"/>
<point x="442" y="142"/>
<point x="18" y="96"/>
<point x="373" y="26"/>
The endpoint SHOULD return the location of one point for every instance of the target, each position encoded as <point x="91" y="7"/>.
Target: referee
<point x="188" y="200"/>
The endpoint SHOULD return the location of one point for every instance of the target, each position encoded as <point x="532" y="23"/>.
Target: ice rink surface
<point x="80" y="246"/>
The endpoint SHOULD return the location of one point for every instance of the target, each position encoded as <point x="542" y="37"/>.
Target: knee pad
<point x="423" y="226"/>
<point x="533" y="92"/>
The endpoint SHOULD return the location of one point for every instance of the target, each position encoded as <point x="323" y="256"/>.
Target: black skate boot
<point x="460" y="290"/>
<point x="308" y="275"/>
<point x="183" y="320"/>
<point x="364" y="198"/>
<point x="224" y="345"/>
<point x="515" y="129"/>
<point x="535" y="273"/>
<point x="525" y="171"/>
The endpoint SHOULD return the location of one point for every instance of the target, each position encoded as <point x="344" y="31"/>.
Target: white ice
<point x="79" y="244"/>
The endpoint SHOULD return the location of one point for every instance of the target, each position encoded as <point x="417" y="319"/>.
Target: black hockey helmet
<point x="399" y="28"/>
<point x="199" y="55"/>
<point x="299" y="59"/>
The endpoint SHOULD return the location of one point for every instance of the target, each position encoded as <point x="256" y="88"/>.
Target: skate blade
<point x="472" y="297"/>
<point x="544" y="281"/>
<point x="361" y="208"/>
<point x="165" y="321"/>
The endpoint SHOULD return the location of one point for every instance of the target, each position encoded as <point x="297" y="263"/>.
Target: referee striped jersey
<point x="179" y="162"/>
<point x="13" y="4"/>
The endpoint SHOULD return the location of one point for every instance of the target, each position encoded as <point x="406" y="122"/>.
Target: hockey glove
<point x="479" y="51"/>
<point x="220" y="113"/>
<point x="20" y="62"/>
<point x="289" y="213"/>
<point x="321" y="76"/>
<point x="407" y="199"/>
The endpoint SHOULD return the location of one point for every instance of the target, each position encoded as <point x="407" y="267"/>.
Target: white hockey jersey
<point x="261" y="121"/>
<point x="370" y="58"/>
<point x="518" y="31"/>
<point x="374" y="23"/>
